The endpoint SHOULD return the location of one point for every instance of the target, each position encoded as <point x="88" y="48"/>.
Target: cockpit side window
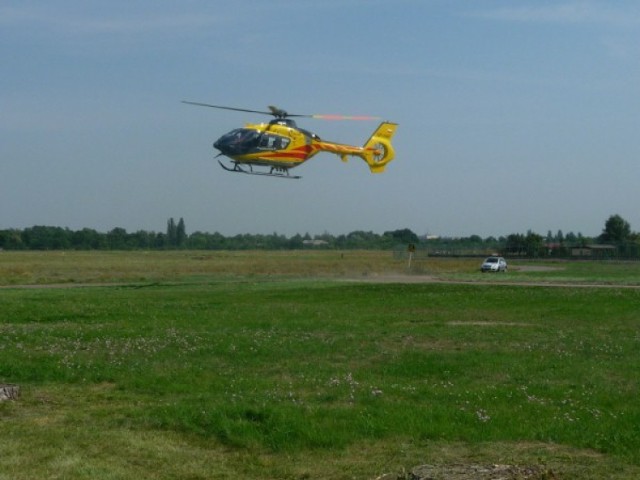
<point x="272" y="142"/>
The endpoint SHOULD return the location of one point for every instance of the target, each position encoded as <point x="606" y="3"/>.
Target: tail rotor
<point x="378" y="151"/>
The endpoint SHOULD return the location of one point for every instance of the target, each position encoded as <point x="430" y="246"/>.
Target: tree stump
<point x="9" y="391"/>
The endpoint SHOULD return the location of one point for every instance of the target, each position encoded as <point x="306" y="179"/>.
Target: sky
<point x="514" y="116"/>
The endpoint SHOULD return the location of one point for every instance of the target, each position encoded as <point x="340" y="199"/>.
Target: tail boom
<point x="377" y="152"/>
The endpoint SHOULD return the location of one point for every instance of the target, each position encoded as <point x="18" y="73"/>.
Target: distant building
<point x="594" y="251"/>
<point x="315" y="243"/>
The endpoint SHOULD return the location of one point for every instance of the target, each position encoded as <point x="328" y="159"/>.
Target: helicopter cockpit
<point x="244" y="140"/>
<point x="238" y="141"/>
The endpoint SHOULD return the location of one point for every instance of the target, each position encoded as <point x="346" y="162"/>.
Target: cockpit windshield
<point x="244" y="140"/>
<point x="237" y="142"/>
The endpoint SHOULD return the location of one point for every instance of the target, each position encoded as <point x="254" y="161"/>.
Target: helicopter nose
<point x="218" y="145"/>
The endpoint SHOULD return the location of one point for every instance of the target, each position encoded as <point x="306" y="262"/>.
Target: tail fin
<point x="378" y="150"/>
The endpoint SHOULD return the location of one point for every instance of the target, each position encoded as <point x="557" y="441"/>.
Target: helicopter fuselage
<point x="280" y="144"/>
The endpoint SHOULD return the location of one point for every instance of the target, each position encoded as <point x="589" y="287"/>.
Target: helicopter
<point x="273" y="148"/>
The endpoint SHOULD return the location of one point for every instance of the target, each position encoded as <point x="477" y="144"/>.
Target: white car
<point x="494" y="264"/>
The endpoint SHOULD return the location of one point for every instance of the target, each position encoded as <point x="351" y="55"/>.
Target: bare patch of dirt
<point x="537" y="268"/>
<point x="407" y="278"/>
<point x="476" y="472"/>
<point x="394" y="278"/>
<point x="490" y="324"/>
<point x="52" y="286"/>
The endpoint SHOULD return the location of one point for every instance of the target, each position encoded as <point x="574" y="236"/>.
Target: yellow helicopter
<point x="273" y="148"/>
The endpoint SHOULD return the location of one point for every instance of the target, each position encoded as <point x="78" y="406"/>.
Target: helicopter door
<point x="273" y="142"/>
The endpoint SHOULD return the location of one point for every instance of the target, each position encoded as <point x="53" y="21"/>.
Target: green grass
<point x="210" y="375"/>
<point x="553" y="272"/>
<point x="71" y="267"/>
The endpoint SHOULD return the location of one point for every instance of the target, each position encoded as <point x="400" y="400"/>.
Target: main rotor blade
<point x="226" y="108"/>
<point x="345" y="117"/>
<point x="279" y="113"/>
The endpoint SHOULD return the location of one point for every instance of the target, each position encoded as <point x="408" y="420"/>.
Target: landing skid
<point x="274" y="172"/>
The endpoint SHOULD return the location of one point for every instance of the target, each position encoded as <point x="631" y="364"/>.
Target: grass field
<point x="280" y="365"/>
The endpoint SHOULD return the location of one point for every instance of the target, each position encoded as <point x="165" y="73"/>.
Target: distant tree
<point x="172" y="233"/>
<point x="362" y="239"/>
<point x="403" y="235"/>
<point x="295" y="242"/>
<point x="181" y="233"/>
<point x="46" y="238"/>
<point x="531" y="245"/>
<point x="210" y="241"/>
<point x="475" y="239"/>
<point x="515" y="244"/>
<point x="11" y="239"/>
<point x="88" y="239"/>
<point x="198" y="241"/>
<point x="159" y="241"/>
<point x="142" y="239"/>
<point x="534" y="244"/>
<point x="276" y="242"/>
<point x="117" y="239"/>
<point x="582" y="240"/>
<point x="616" y="229"/>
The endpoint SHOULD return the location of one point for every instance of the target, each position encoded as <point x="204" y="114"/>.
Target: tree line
<point x="616" y="232"/>
<point x="176" y="237"/>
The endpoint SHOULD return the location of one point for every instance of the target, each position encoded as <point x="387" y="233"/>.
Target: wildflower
<point x="482" y="415"/>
